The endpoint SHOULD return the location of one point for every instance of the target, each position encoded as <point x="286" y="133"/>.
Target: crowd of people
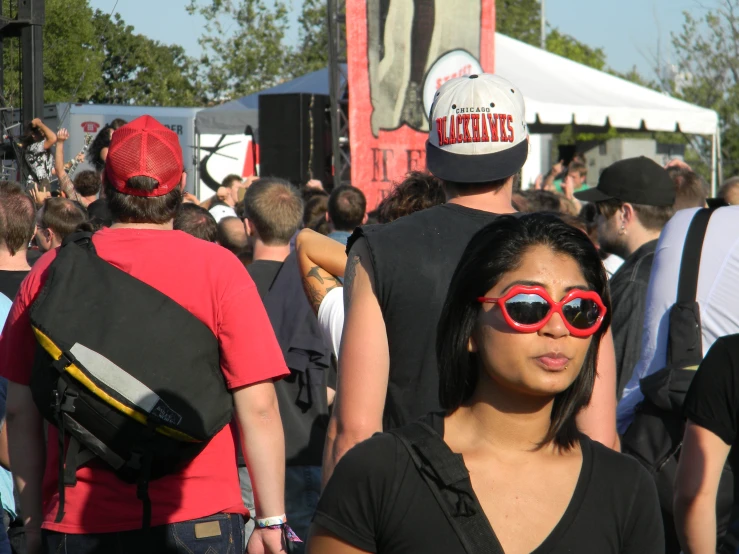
<point x="467" y="367"/>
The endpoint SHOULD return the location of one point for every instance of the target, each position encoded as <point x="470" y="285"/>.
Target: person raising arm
<point x="65" y="183"/>
<point x="49" y="136"/>
<point x="36" y="144"/>
<point x="322" y="261"/>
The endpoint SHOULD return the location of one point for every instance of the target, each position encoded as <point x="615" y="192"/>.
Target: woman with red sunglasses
<point x="504" y="466"/>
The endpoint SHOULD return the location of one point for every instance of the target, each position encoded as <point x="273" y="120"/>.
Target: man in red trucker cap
<point x="199" y="507"/>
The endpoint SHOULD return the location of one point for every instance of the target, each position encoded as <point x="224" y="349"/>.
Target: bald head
<point x="729" y="191"/>
<point x="232" y="234"/>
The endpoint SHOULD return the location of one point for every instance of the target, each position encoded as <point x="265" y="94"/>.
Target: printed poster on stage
<point x="399" y="53"/>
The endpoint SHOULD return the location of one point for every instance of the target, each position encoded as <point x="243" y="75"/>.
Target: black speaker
<point x="295" y="138"/>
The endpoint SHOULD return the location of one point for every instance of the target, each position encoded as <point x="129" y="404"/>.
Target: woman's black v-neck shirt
<point x="376" y="501"/>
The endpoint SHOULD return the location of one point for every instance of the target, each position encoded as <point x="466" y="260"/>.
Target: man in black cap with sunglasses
<point x="635" y="200"/>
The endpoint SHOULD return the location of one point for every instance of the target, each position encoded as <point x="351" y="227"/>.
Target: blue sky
<point x="630" y="31"/>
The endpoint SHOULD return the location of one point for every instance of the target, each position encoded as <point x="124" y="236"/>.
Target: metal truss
<point x="339" y="91"/>
<point x="27" y="25"/>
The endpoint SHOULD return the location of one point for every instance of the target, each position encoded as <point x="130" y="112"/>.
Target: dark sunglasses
<point x="528" y="309"/>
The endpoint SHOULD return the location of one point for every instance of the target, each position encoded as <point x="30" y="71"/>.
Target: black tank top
<point x="413" y="259"/>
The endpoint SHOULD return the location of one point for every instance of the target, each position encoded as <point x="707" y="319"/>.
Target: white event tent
<point x="559" y="91"/>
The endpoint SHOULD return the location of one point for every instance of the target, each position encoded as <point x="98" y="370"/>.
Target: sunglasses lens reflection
<point x="581" y="313"/>
<point x="527" y="309"/>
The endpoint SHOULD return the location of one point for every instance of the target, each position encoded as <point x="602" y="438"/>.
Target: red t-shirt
<point x="214" y="286"/>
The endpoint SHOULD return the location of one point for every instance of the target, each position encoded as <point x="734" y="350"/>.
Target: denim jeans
<point x="216" y="534"/>
<point x="4" y="542"/>
<point x="302" y="490"/>
<point x="247" y="496"/>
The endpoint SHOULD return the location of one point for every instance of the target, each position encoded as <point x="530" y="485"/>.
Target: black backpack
<point x="128" y="375"/>
<point x="448" y="479"/>
<point x="655" y="436"/>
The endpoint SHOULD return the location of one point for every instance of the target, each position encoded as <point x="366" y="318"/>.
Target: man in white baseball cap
<point x="397" y="274"/>
<point x="478" y="131"/>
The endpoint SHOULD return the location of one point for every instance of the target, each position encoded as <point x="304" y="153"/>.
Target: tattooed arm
<point x="364" y="363"/>
<point x="65" y="183"/>
<point x="321" y="262"/>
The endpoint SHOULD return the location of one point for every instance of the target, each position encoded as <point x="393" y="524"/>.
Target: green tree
<point x="243" y="43"/>
<point x="519" y="19"/>
<point x="139" y="70"/>
<point x="569" y="47"/>
<point x="706" y="73"/>
<point x="312" y="51"/>
<point x="91" y="56"/>
<point x="72" y="59"/>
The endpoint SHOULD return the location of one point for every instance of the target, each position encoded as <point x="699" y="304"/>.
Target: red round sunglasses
<point x="527" y="309"/>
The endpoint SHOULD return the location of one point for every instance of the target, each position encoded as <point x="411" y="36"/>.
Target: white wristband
<point x="275" y="521"/>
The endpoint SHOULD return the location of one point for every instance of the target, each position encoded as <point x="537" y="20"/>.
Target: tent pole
<point x="714" y="156"/>
<point x="543" y="25"/>
<point x="719" y="157"/>
<point x="196" y="165"/>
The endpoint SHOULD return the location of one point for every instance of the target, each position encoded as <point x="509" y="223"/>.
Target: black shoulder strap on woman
<point x="691" y="259"/>
<point x="449" y="481"/>
<point x="685" y="342"/>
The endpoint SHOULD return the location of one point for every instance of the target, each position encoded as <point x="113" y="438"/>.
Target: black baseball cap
<point x="635" y="180"/>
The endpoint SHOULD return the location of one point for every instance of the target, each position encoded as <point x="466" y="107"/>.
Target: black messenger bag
<point x="128" y="375"/>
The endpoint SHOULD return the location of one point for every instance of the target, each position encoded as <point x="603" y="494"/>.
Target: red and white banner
<point x="399" y="53"/>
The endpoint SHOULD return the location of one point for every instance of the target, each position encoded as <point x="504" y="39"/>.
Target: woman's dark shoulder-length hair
<point x="102" y="140"/>
<point x="494" y="251"/>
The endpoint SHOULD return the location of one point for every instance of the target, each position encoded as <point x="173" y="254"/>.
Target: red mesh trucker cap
<point x="144" y="148"/>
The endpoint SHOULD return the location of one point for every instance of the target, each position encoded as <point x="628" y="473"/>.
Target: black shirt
<point x="713" y="398"/>
<point x="629" y="297"/>
<point x="377" y="501"/>
<point x="10" y="282"/>
<point x="413" y="260"/>
<point x="263" y="273"/>
<point x="32" y="255"/>
<point x="302" y="395"/>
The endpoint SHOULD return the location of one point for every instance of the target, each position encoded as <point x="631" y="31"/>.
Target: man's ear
<point x="629" y="214"/>
<point x="365" y="218"/>
<point x="250" y="230"/>
<point x="183" y="181"/>
<point x="328" y="219"/>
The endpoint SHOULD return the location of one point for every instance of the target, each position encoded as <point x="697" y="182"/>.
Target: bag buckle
<point x="63" y="362"/>
<point x="69" y="400"/>
<point x="56" y="401"/>
<point x="63" y="401"/>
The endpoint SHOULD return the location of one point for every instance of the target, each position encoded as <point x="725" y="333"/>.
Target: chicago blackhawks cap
<point x="144" y="148"/>
<point x="478" y="130"/>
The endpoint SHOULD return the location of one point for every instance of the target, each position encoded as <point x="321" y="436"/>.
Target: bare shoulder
<point x="359" y="274"/>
